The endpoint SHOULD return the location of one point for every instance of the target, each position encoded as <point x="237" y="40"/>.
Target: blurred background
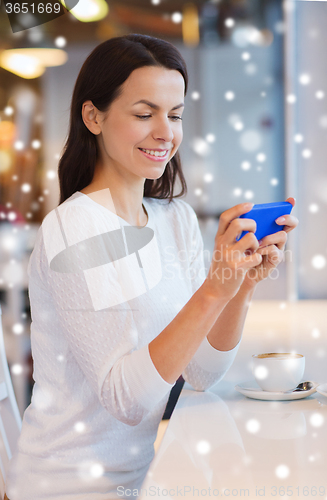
<point x="255" y="129"/>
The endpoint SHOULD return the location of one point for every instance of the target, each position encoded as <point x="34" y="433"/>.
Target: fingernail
<point x="280" y="219"/>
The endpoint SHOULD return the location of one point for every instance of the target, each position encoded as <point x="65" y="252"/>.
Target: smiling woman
<point x="116" y="319"/>
<point x="136" y="141"/>
<point x="98" y="85"/>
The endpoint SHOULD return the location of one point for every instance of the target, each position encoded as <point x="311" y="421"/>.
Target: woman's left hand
<point x="272" y="249"/>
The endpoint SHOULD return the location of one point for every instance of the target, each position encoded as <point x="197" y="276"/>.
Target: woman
<point x="120" y="305"/>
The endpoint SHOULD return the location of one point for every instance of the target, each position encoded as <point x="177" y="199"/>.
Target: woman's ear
<point x="90" y="116"/>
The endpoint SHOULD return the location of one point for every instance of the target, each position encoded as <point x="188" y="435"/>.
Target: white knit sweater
<point x="98" y="398"/>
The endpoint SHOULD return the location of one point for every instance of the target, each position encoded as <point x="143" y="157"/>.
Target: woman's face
<point x="142" y="129"/>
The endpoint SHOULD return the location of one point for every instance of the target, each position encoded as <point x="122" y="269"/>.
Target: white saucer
<point x="252" y="390"/>
<point x="322" y="389"/>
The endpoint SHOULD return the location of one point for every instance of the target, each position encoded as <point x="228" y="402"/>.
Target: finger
<point x="274" y="254"/>
<point x="288" y="221"/>
<point x="292" y="201"/>
<point x="279" y="239"/>
<point x="247" y="243"/>
<point x="250" y="261"/>
<point x="230" y="214"/>
<point x="236" y="227"/>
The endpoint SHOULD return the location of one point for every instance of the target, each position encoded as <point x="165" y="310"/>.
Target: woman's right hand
<point x="231" y="258"/>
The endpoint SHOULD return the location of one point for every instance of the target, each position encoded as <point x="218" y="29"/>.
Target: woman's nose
<point x="163" y="131"/>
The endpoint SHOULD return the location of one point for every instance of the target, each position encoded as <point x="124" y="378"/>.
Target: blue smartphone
<point x="265" y="215"/>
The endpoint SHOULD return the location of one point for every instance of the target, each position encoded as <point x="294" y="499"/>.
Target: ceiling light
<point x="89" y="10"/>
<point x="31" y="63"/>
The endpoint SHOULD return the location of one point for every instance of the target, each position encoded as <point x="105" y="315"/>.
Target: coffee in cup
<point x="278" y="371"/>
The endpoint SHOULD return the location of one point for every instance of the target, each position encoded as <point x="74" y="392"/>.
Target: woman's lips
<point x="155" y="158"/>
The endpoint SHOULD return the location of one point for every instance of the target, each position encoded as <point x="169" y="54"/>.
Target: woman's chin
<point x="156" y="174"/>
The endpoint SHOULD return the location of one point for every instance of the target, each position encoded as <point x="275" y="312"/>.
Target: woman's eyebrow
<point x="155" y="106"/>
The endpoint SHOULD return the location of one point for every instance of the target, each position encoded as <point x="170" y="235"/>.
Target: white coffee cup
<point x="278" y="371"/>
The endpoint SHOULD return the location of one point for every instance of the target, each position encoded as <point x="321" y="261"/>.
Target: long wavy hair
<point x="100" y="80"/>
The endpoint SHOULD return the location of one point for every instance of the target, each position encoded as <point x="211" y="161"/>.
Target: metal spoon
<point x="304" y="386"/>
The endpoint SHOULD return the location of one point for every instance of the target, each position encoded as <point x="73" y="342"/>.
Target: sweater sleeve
<point x="92" y="307"/>
<point x="208" y="366"/>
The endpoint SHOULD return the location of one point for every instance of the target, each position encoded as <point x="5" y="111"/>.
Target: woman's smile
<point x="155" y="154"/>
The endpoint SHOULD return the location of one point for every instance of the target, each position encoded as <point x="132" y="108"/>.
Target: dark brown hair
<point x="100" y="80"/>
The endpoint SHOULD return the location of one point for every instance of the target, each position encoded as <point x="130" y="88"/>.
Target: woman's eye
<point x="174" y="118"/>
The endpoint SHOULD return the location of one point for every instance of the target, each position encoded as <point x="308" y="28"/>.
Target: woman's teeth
<point x="154" y="153"/>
